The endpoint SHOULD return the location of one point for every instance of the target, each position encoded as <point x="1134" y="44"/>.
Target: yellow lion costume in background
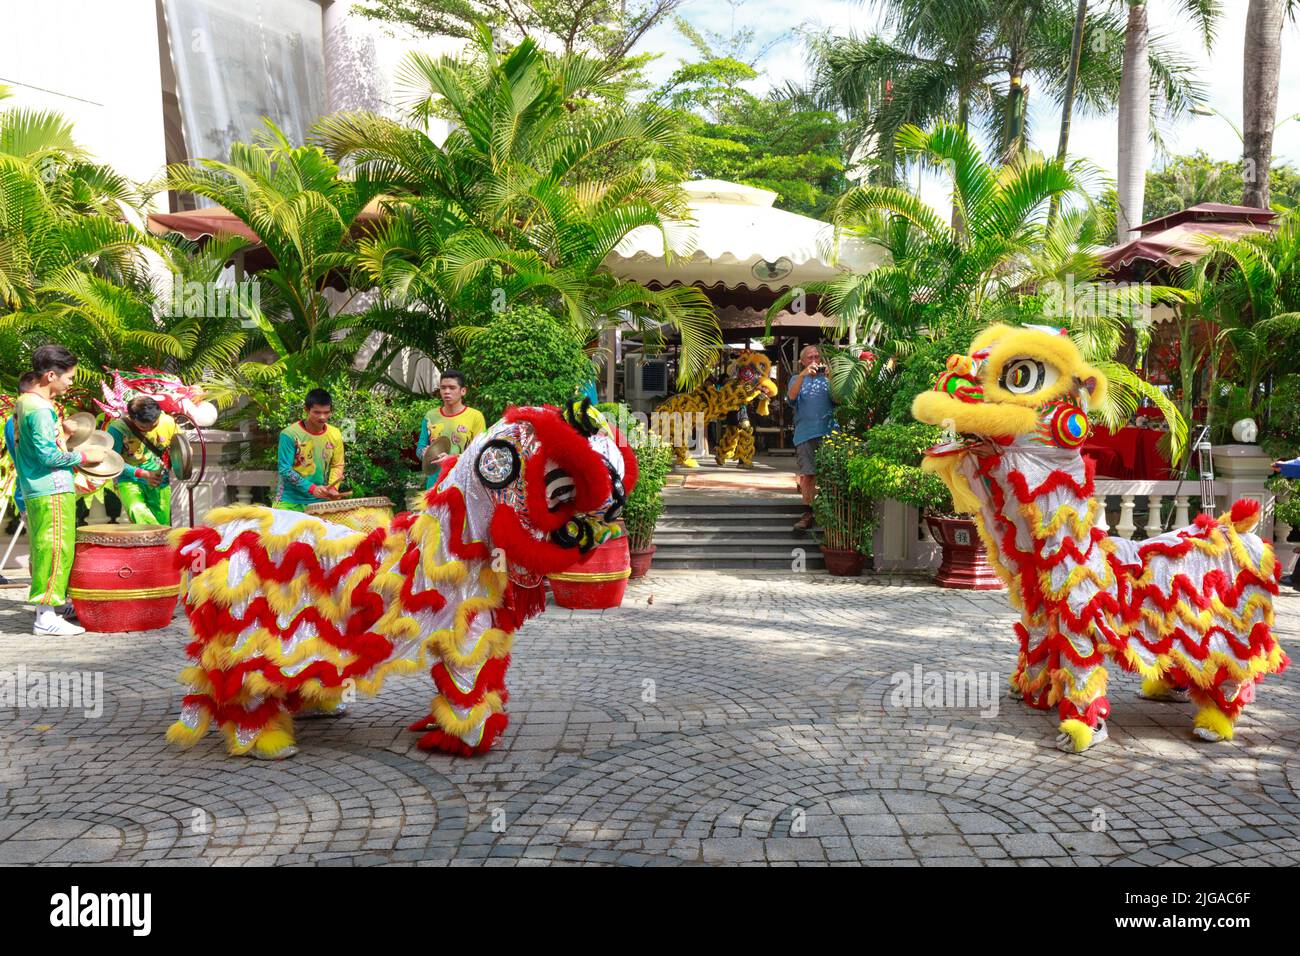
<point x="749" y="379"/>
<point x="1191" y="610"/>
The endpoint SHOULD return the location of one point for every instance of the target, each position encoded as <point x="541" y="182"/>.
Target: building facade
<point x="151" y="82"/>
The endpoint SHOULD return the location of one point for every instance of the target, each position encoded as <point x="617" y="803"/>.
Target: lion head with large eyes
<point x="543" y="486"/>
<point x="1026" y="382"/>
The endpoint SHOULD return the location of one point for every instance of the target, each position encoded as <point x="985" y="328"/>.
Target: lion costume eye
<point x="498" y="464"/>
<point x="1024" y="376"/>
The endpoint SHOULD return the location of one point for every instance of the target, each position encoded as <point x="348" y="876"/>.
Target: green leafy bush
<point x="847" y="518"/>
<point x="1282" y="430"/>
<point x="1286" y="507"/>
<point x="525" y="356"/>
<point x="889" y="468"/>
<point x="919" y="368"/>
<point x="654" y="460"/>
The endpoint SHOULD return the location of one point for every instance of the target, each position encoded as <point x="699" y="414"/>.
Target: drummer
<point x="310" y="459"/>
<point x="142" y="438"/>
<point x="46" y="480"/>
<point x="450" y="427"/>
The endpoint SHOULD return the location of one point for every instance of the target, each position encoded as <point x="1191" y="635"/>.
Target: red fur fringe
<point x="440" y="740"/>
<point x="491" y="676"/>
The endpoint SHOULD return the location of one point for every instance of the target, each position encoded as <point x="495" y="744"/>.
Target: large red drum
<point x="597" y="581"/>
<point x="124" y="577"/>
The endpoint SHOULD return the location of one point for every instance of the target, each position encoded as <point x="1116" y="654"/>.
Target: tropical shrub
<point x="654" y="460"/>
<point x="525" y="356"/>
<point x="890" y="468"/>
<point x="846" y="517"/>
<point x="999" y="258"/>
<point x="545" y="171"/>
<point x="1282" y="429"/>
<point x="1286" y="505"/>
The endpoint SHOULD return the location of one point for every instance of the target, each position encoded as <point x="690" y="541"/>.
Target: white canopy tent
<point x="737" y="239"/>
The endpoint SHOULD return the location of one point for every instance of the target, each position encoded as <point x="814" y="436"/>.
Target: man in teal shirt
<point x="310" y="456"/>
<point x="45" y="477"/>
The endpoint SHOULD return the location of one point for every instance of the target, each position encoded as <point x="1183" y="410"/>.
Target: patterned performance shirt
<point x="305" y="459"/>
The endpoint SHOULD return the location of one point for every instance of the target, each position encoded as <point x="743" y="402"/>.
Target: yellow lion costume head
<point x="753" y="370"/>
<point x="1026" y="383"/>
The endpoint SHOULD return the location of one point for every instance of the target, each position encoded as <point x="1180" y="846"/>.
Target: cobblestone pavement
<point x="713" y="718"/>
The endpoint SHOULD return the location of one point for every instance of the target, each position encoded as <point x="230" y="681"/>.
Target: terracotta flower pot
<point x="965" y="561"/>
<point x="641" y="561"/>
<point x="844" y="562"/>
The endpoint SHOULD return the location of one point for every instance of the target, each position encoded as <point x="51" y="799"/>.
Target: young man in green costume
<point x="452" y="425"/>
<point x="142" y="437"/>
<point x="310" y="457"/>
<point x="45" y="477"/>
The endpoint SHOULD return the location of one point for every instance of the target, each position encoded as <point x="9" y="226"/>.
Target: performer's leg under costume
<point x="726" y="449"/>
<point x="143" y="504"/>
<point x="52" y="531"/>
<point x="745" y="447"/>
<point x="1079" y="681"/>
<point x="468" y="713"/>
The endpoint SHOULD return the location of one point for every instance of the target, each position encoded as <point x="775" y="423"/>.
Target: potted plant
<point x="846" y="516"/>
<point x="654" y="460"/>
<point x="890" y="468"/>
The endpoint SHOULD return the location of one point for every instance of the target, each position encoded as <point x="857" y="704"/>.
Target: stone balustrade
<point x="1133" y="509"/>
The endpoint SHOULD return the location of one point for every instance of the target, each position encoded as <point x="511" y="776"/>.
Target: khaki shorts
<point x="806" y="453"/>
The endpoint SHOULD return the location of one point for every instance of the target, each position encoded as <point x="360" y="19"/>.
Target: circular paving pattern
<point x="760" y="720"/>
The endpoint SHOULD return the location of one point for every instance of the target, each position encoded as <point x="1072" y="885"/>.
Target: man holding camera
<point x="814" y="419"/>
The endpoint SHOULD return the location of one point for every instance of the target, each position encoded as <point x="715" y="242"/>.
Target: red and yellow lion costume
<point x="1190" y="610"/>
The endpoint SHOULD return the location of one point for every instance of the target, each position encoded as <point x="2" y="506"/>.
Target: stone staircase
<point x="732" y="531"/>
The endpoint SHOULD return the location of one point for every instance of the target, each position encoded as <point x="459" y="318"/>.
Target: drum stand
<point x="1205" y="467"/>
<point x="22" y="525"/>
<point x="202" y="470"/>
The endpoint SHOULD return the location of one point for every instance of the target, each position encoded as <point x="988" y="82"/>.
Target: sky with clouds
<point x="1092" y="136"/>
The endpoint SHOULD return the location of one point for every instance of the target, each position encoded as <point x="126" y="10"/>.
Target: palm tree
<point x="1006" y="264"/>
<point x="975" y="60"/>
<point x="1135" y="104"/>
<point x="304" y="211"/>
<point x="1262" y="63"/>
<point x="538" y="181"/>
<point x="1240" y="312"/>
<point x="62" y="230"/>
<point x="1071" y="79"/>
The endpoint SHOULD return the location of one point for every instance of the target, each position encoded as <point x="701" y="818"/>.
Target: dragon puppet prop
<point x="289" y="612"/>
<point x="1190" y="610"/>
<point x="749" y="379"/>
<point x="172" y="395"/>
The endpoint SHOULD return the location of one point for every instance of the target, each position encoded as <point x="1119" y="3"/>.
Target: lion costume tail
<point x="1199" y="611"/>
<point x="286" y="618"/>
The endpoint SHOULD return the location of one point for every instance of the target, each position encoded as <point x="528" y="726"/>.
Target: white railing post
<point x="1182" y="517"/>
<point x="1125" y="527"/>
<point x="1153" y="515"/>
<point x="1102" y="522"/>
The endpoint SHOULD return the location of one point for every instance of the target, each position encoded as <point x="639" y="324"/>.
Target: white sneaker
<point x="50" y="624"/>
